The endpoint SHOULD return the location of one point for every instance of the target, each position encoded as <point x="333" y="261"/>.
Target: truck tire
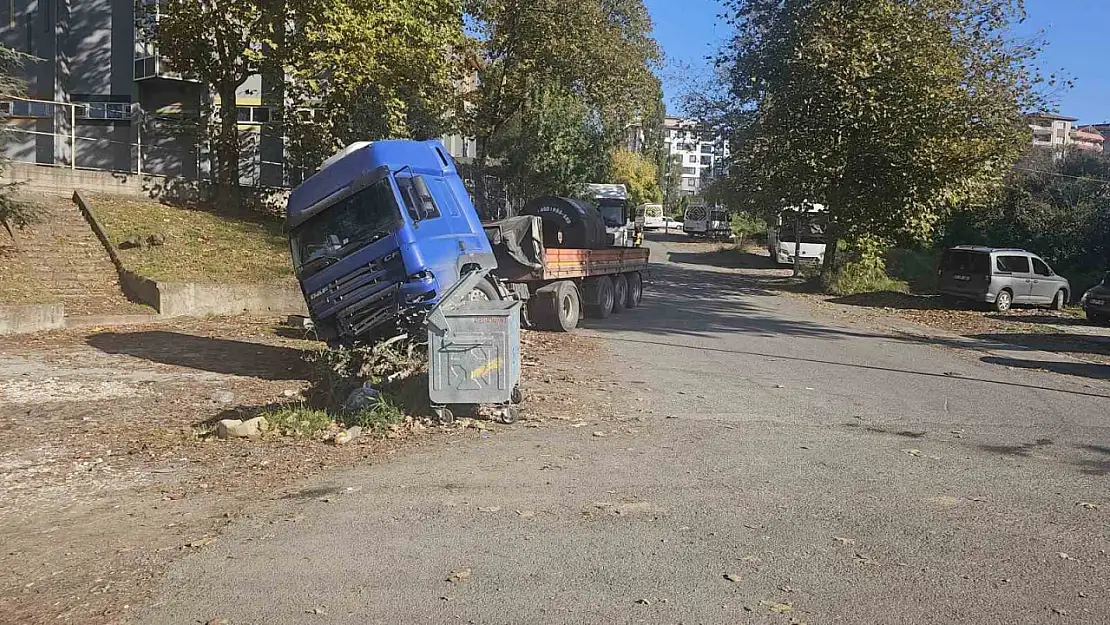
<point x="635" y="289"/>
<point x="484" y="291"/>
<point x="557" y="306"/>
<point x="599" y="297"/>
<point x="620" y="292"/>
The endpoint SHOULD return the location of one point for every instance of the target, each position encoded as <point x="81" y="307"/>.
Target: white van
<point x="653" y="216"/>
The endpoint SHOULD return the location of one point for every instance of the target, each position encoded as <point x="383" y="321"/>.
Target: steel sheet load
<point x="568" y="223"/>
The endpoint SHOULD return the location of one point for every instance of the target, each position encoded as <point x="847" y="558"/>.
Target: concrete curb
<point x="28" y="318"/>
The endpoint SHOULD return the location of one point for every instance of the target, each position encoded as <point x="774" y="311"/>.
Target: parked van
<point x="1000" y="277"/>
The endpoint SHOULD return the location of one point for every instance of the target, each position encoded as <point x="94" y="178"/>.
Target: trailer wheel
<point x="620" y="292"/>
<point x="599" y="297"/>
<point x="557" y="306"/>
<point x="635" y="289"/>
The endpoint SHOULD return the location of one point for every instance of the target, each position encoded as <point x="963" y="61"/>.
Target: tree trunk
<point x="227" y="151"/>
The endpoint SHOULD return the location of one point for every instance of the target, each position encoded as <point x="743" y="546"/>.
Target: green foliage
<point x="1055" y="205"/>
<point x="384" y="414"/>
<point x="917" y="267"/>
<point x="637" y="174"/>
<point x="745" y="224"/>
<point x="890" y="112"/>
<point x="596" y="57"/>
<point x="388" y="366"/>
<point x="14" y="213"/>
<point x="863" y="270"/>
<point x="372" y="70"/>
<point x="298" y="420"/>
<point x="549" y="146"/>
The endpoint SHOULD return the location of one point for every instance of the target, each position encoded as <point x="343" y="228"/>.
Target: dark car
<point x="1096" y="302"/>
<point x="1000" y="277"/>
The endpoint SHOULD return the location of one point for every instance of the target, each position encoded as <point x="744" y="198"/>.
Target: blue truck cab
<point x="379" y="233"/>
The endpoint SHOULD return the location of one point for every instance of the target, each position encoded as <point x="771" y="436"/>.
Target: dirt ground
<point x="107" y="473"/>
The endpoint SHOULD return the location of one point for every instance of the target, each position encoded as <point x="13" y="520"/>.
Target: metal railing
<point x="70" y="146"/>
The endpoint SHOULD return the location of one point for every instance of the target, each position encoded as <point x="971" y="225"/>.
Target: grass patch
<point x="384" y="414"/>
<point x="18" y="284"/>
<point x="298" y="420"/>
<point x="200" y="245"/>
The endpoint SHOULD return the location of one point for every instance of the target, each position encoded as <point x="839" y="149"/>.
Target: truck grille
<point x="363" y="298"/>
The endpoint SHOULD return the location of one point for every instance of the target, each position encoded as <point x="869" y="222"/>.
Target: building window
<point x="103" y="110"/>
<point x="689" y="171"/>
<point x="693" y="158"/>
<point x="23" y="108"/>
<point x="707" y="149"/>
<point x="706" y="159"/>
<point x="253" y="114"/>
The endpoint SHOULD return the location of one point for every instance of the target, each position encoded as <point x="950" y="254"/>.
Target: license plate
<point x="1098" y="302"/>
<point x="962" y="278"/>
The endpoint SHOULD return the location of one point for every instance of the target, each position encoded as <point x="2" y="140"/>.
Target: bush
<point x="915" y="267"/>
<point x="745" y="225"/>
<point x="864" y="271"/>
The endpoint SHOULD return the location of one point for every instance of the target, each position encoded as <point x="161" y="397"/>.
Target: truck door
<point x="432" y="226"/>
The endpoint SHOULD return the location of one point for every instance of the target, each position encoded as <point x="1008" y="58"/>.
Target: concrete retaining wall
<point x="31" y="318"/>
<point x="195" y="300"/>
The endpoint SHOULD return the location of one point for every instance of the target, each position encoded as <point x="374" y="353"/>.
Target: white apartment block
<point x="703" y="157"/>
<point x="1059" y="132"/>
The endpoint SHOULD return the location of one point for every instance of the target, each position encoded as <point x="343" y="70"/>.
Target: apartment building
<point x="100" y="97"/>
<point x="702" y="156"/>
<point x="1060" y="132"/>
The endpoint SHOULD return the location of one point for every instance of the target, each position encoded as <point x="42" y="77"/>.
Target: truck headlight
<point x="421" y="275"/>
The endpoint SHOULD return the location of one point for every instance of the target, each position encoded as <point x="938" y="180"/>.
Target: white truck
<point x="799" y="231"/>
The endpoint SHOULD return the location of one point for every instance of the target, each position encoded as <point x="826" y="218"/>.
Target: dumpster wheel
<point x="444" y="415"/>
<point x="508" y="415"/>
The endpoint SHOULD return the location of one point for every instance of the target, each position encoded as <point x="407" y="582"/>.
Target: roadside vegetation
<point x="932" y="158"/>
<point x="177" y="244"/>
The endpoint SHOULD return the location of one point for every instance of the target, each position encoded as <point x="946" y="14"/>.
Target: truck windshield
<point x="612" y="213"/>
<point x="350" y="224"/>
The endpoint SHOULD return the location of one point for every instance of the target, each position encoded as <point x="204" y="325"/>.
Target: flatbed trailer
<point x="561" y="285"/>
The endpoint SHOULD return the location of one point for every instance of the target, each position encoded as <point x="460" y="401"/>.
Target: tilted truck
<point x="384" y="228"/>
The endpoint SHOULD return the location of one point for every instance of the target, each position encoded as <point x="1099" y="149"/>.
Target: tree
<point x="371" y="70"/>
<point x="672" y="185"/>
<point x="889" y="111"/>
<point x="601" y="53"/>
<point x="549" y="147"/>
<point x="637" y="174"/>
<point x="14" y="212"/>
<point x="221" y="42"/>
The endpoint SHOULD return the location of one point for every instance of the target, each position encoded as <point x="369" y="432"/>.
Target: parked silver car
<point x="1001" y="277"/>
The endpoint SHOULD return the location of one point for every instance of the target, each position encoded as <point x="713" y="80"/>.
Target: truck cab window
<point x="418" y="198"/>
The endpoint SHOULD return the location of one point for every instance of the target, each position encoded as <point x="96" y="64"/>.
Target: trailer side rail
<point x="562" y="264"/>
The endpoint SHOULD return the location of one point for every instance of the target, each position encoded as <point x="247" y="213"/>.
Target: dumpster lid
<point x="454" y="296"/>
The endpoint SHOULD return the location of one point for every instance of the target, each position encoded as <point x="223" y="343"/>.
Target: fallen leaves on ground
<point x="776" y="607"/>
<point x="459" y="575"/>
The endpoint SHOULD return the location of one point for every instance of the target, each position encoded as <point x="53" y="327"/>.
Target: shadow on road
<point x="726" y="258"/>
<point x="1100" y="465"/>
<point x="700" y="302"/>
<point x="1078" y="369"/>
<point x="1024" y="449"/>
<point x="929" y="374"/>
<point x="1052" y="341"/>
<point x="893" y="299"/>
<point x="225" y="356"/>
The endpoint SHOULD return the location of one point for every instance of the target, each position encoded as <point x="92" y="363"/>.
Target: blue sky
<point x="1077" y="31"/>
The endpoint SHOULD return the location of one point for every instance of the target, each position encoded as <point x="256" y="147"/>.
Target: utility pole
<point x="797" y="243"/>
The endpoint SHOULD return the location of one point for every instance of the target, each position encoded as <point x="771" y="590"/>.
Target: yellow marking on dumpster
<point x="492" y="365"/>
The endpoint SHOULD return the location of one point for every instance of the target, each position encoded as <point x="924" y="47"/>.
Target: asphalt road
<point x="833" y="473"/>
